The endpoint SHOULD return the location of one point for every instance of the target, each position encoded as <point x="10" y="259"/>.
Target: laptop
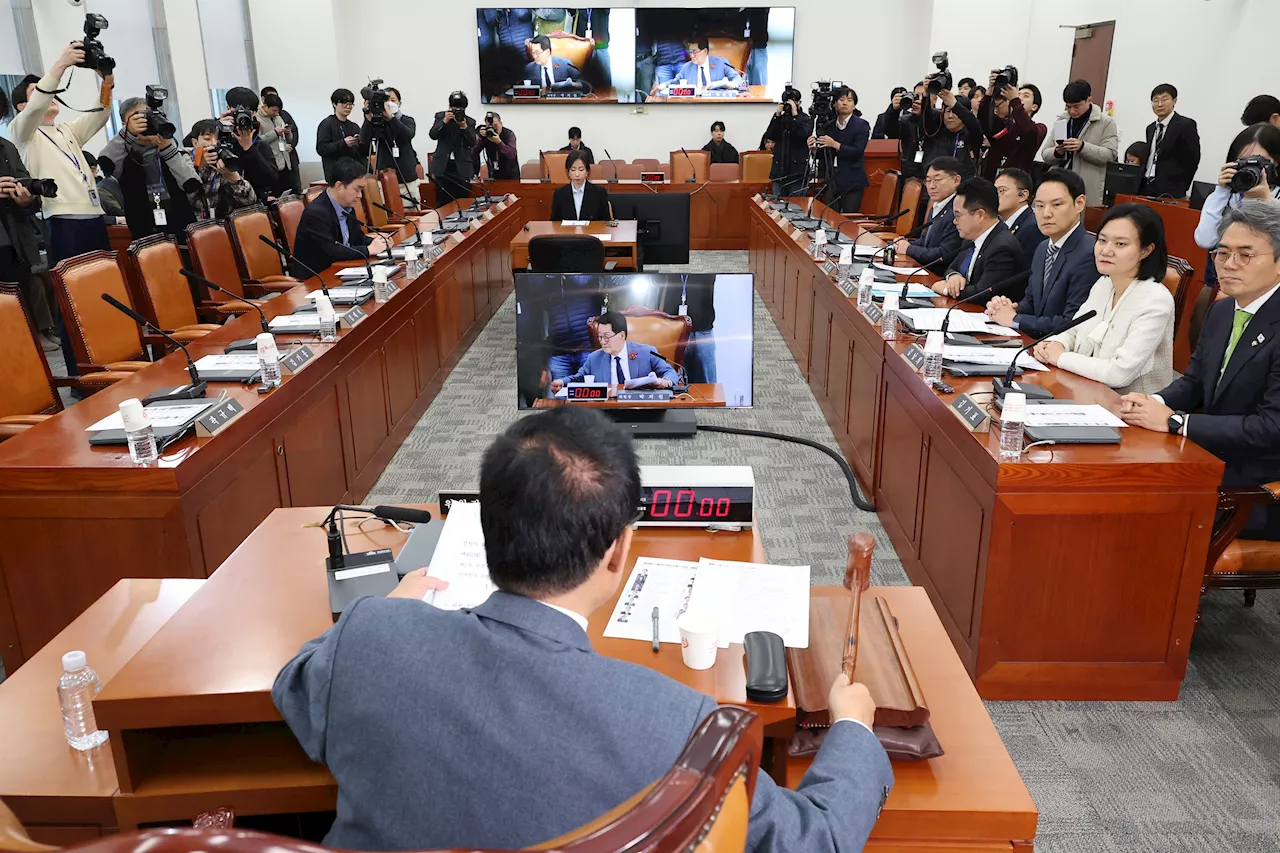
<point x="1067" y="434"/>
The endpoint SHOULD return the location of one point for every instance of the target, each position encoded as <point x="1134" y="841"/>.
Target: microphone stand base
<point x="245" y="345"/>
<point x="1033" y="392"/>
<point x="193" y="391"/>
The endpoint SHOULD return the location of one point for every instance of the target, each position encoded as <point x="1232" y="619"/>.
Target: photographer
<point x="499" y="145"/>
<point x="847" y="137"/>
<point x="393" y="133"/>
<point x="153" y="172"/>
<point x="879" y="132"/>
<point x="257" y="162"/>
<point x="789" y="129"/>
<point x="221" y="189"/>
<point x="1014" y="138"/>
<point x="904" y="125"/>
<point x="295" y="173"/>
<point x="337" y="136"/>
<point x="274" y="133"/>
<point x="455" y="136"/>
<point x="960" y="135"/>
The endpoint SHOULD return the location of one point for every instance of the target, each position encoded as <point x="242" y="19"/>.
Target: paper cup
<point x="380" y="274"/>
<point x="699" y="641"/>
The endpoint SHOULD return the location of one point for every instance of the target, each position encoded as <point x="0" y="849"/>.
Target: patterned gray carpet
<point x="1200" y="775"/>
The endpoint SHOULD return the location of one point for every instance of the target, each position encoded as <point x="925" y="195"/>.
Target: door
<point x="1091" y="57"/>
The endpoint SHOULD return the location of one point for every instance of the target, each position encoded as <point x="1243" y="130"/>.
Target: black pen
<point x="655" y="629"/>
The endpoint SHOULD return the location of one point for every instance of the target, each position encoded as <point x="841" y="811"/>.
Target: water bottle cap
<point x="323" y="306"/>
<point x="933" y="342"/>
<point x="820" y="236"/>
<point x="74" y="661"/>
<point x="890" y="302"/>
<point x="266" y="344"/>
<point x="133" y="415"/>
<point x="867" y="276"/>
<point x="1015" y="405"/>
<point x="410" y="253"/>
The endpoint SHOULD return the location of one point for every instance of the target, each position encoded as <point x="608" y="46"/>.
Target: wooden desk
<point x="63" y="796"/>
<point x="619" y="245"/>
<point x="1072" y="574"/>
<point x="701" y="396"/>
<point x="324" y="436"/>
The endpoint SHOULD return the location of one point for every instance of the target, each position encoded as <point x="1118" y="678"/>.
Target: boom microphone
<point x="1002" y="386"/>
<point x="999" y="286"/>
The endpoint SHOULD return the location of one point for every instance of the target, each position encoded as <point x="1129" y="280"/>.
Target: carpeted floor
<point x="1200" y="775"/>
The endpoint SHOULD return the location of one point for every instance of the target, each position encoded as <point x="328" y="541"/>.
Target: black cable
<point x="859" y="501"/>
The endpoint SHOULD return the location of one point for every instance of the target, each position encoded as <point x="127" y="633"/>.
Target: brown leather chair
<point x="597" y="172"/>
<point x="629" y="172"/>
<point x="313" y="192"/>
<point x="576" y="49"/>
<point x="389" y="184"/>
<point x="887" y="199"/>
<point x="667" y="333"/>
<point x="680" y="166"/>
<point x="375" y="218"/>
<point x="724" y="172"/>
<point x="530" y="171"/>
<point x="756" y="166"/>
<point x="288" y="214"/>
<point x="213" y="257"/>
<point x="28" y="395"/>
<point x="107" y="344"/>
<point x="555" y="166"/>
<point x="912" y="201"/>
<point x="1247" y="564"/>
<point x="734" y="51"/>
<point x="647" y="164"/>
<point x="1177" y="278"/>
<point x="260" y="265"/>
<point x="153" y="273"/>
<point x="701" y="805"/>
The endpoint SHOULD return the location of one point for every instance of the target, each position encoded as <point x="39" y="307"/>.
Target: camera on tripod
<point x="823" y="108"/>
<point x="942" y="79"/>
<point x="1007" y="76"/>
<point x="95" y="56"/>
<point x="158" y="123"/>
<point x="376" y="98"/>
<point x="1250" y="171"/>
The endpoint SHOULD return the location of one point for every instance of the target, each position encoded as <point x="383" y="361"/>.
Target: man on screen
<point x="618" y="361"/>
<point x="546" y="70"/>
<point x="706" y="71"/>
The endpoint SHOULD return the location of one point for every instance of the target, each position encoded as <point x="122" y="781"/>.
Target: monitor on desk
<point x="662" y="224"/>
<point x="1122" y="179"/>
<point x="679" y="341"/>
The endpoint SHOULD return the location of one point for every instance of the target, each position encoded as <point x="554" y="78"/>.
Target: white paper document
<point x="603" y="237"/>
<point x="914" y="291"/>
<point x="861" y="251"/>
<point x="990" y="355"/>
<point x="641" y="381"/>
<point x="664" y="584"/>
<point x="1067" y="415"/>
<point x="345" y="291"/>
<point x="930" y="320"/>
<point x="459" y="559"/>
<point x="306" y="320"/>
<point x="229" y="361"/>
<point x="571" y="223"/>
<point x="750" y="597"/>
<point x="352" y="272"/>
<point x="160" y="416"/>
<point x="881" y="265"/>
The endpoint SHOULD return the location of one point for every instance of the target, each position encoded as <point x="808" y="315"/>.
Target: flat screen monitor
<point x="663" y="223"/>
<point x="1122" y="179"/>
<point x="583" y="338"/>
<point x="586" y="55"/>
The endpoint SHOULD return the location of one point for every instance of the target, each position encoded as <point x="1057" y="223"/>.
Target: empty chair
<point x="259" y="265"/>
<point x="28" y="394"/>
<point x="213" y="258"/>
<point x="530" y="171"/>
<point x="695" y="164"/>
<point x="555" y="166"/>
<point x="107" y="344"/>
<point x="566" y="253"/>
<point x="597" y="172"/>
<point x="153" y="272"/>
<point x="647" y="164"/>
<point x="724" y="172"/>
<point x="629" y="172"/>
<point x="912" y="201"/>
<point x="755" y="166"/>
<point x="288" y="214"/>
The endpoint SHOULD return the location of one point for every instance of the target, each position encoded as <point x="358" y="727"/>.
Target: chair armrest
<point x="268" y="279"/>
<point x="27" y="420"/>
<point x="101" y="379"/>
<point x="1234" y="507"/>
<point x="261" y="288"/>
<point x="233" y="307"/>
<point x="126" y="366"/>
<point x="199" y="327"/>
<point x="10" y="430"/>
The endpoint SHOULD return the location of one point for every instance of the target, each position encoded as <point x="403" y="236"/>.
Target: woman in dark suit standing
<point x="579" y="199"/>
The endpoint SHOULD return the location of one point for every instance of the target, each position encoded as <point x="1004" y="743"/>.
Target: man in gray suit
<point x="500" y="726"/>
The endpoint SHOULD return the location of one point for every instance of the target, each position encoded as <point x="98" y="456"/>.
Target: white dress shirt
<point x="1058" y="244"/>
<point x="624" y="359"/>
<point x="977" y="248"/>
<point x="938" y="206"/>
<point x="577" y="197"/>
<point x="1013" y="217"/>
<point x="1151" y="158"/>
<point x="576" y="617"/>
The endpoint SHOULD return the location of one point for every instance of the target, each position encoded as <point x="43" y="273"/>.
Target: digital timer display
<point x="696" y="505"/>
<point x="588" y="392"/>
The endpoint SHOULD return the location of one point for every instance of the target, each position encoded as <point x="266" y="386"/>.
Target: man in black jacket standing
<point x="257" y="163"/>
<point x="330" y="220"/>
<point x="455" y="136"/>
<point x="789" y="129"/>
<point x="338" y="137"/>
<point x="392" y="134"/>
<point x="1174" y="144"/>
<point x="847" y="137"/>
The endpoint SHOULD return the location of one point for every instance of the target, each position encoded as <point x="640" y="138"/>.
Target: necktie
<point x="966" y="265"/>
<point x="1050" y="256"/>
<point x="702" y="72"/>
<point x="1155" y="148"/>
<point x="546" y="77"/>
<point x="617" y="369"/>
<point x="1238" y="322"/>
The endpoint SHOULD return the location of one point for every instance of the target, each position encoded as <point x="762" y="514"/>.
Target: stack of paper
<point x="930" y="320"/>
<point x="459" y="559"/>
<point x="990" y="355"/>
<point x="914" y="291"/>
<point x="1055" y="415"/>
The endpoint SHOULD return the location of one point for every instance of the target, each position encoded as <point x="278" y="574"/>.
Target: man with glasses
<point x="1228" y="401"/>
<point x="989" y="253"/>
<point x="705" y="71"/>
<point x="1173" y="141"/>
<point x="939" y="241"/>
<point x="619" y="361"/>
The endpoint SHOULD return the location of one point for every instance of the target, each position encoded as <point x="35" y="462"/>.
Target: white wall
<point x="186" y="52"/>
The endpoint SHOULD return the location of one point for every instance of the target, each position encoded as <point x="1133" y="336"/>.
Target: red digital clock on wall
<point x="696" y="495"/>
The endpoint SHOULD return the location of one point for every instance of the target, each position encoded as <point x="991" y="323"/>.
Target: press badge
<point x="93" y="197"/>
<point x="158" y="214"/>
<point x="684" y="310"/>
<point x="395" y="151"/>
<point x="919" y="155"/>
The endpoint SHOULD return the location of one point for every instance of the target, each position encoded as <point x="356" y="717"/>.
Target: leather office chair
<point x="260" y="266"/>
<point x="1247" y="564"/>
<point x="530" y="171"/>
<point x="576" y="49"/>
<point x="701" y="805"/>
<point x="314" y="191"/>
<point x="647" y="164"/>
<point x="629" y="171"/>
<point x="724" y="172"/>
<point x="28" y="395"/>
<point x="887" y="199"/>
<point x="734" y="51"/>
<point x="152" y="271"/>
<point x="213" y="258"/>
<point x="566" y="253"/>
<point x="680" y="166"/>
<point x="375" y="218"/>
<point x="107" y="344"/>
<point x="912" y="200"/>
<point x="555" y="166"/>
<point x="288" y="214"/>
<point x="667" y="333"/>
<point x="1177" y="278"/>
<point x="597" y="172"/>
<point x="389" y="183"/>
<point x="756" y="166"/>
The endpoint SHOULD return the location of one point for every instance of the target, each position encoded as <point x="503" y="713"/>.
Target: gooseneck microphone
<point x="1002" y="386"/>
<point x="416" y="233"/>
<point x="356" y="253"/>
<point x="239" y="297"/>
<point x="614" y="179"/>
<point x="146" y="324"/>
<point x="999" y="286"/>
<point x="693" y="175"/>
<point x="906" y="283"/>
<point x="282" y="250"/>
<point x="546" y="170"/>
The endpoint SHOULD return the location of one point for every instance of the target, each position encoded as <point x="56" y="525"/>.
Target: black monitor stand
<point x="656" y="423"/>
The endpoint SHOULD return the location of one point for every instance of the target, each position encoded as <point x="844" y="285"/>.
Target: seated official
<point x="1014" y="187"/>
<point x="705" y="71"/>
<point x="1062" y="267"/>
<point x="576" y="144"/>
<point x="619" y="361"/>
<point x="551" y="72"/>
<point x="500" y="726"/>
<point x="579" y="199"/>
<point x="1129" y="344"/>
<point x="1228" y="401"/>
<point x="330" y="220"/>
<point x="939" y="241"/>
<point x="989" y="254"/>
<point x="847" y="137"/>
<point x="720" y="151"/>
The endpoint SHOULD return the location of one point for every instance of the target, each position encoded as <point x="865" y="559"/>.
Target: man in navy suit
<point x="330" y="219"/>
<point x="1173" y="141"/>
<point x="706" y="71"/>
<point x="847" y="137"/>
<point x="939" y="241"/>
<point x="1228" y="401"/>
<point x="550" y="72"/>
<point x="500" y="726"/>
<point x="1062" y="268"/>
<point x="989" y="254"/>
<point x="1014" y="186"/>
<point x="619" y="361"/>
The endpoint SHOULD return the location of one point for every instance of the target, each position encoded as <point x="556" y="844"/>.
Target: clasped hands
<point x="1002" y="310"/>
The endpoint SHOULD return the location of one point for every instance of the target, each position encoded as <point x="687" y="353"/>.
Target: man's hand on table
<point x="850" y="701"/>
<point x="417" y="584"/>
<point x="1142" y="410"/>
<point x="949" y="286"/>
<point x="1002" y="310"/>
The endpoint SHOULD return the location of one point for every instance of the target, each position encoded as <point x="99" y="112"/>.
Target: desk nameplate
<point x="971" y="414"/>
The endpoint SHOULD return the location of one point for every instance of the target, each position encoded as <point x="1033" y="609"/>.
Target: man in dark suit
<point x="1174" y="143"/>
<point x="1014" y="186"/>
<point x="1228" y="401"/>
<point x="939" y="241"/>
<point x="502" y="717"/>
<point x="330" y="219"/>
<point x="579" y="199"/>
<point x="575" y="144"/>
<point x="551" y="72"/>
<point x="989" y="253"/>
<point x="1062" y="268"/>
<point x="455" y="136"/>
<point x="847" y="139"/>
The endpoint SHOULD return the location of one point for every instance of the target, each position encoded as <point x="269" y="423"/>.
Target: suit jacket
<point x="595" y="203"/>
<point x="718" y="68"/>
<point x="530" y="733"/>
<point x="1177" y="159"/>
<point x="939" y="241"/>
<point x="1027" y="230"/>
<point x="1000" y="258"/>
<point x="318" y="228"/>
<point x="1101" y="145"/>
<point x="1128" y="347"/>
<point x="1236" y="415"/>
<point x="562" y="71"/>
<point x="451" y="139"/>
<point x="642" y="360"/>
<point x="1047" y="305"/>
<point x="850" y="169"/>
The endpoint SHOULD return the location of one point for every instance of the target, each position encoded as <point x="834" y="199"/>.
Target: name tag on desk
<point x="297" y="359"/>
<point x="218" y="418"/>
<point x="355" y="315"/>
<point x="915" y="355"/>
<point x="874" y="313"/>
<point x="971" y="414"/>
<point x="830" y="268"/>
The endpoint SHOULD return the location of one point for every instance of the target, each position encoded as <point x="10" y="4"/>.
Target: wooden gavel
<point x="857" y="578"/>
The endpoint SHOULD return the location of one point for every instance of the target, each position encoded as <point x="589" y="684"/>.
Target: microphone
<point x="417" y="235"/>
<point x="906" y="284"/>
<point x="358" y="254"/>
<point x="282" y="250"/>
<point x="614" y="179"/>
<point x="1018" y="278"/>
<point x="1003" y="386"/>
<point x="693" y="178"/>
<point x="400" y="513"/>
<point x="196" y="382"/>
<point x="546" y="170"/>
<point x="247" y="343"/>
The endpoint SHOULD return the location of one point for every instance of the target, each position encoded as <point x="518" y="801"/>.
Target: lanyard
<point x="684" y="289"/>
<point x="75" y="161"/>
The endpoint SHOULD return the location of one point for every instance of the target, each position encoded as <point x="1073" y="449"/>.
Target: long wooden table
<point x="74" y="519"/>
<point x="1073" y="573"/>
<point x="619" y="240"/>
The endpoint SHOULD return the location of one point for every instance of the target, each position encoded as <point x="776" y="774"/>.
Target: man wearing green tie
<point x="1229" y="400"/>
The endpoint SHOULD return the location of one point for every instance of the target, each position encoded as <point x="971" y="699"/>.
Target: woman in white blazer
<point x="1129" y="344"/>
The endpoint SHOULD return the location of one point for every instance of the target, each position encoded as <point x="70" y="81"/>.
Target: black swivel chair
<point x="568" y="253"/>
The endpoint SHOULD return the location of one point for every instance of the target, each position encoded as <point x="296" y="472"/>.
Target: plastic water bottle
<point x="76" y="689"/>
<point x="269" y="358"/>
<point x="328" y="318"/>
<point x="380" y="293"/>
<point x="866" y="289"/>
<point x="819" y="240"/>
<point x="1012" y="415"/>
<point x="137" y="432"/>
<point x="889" y="322"/>
<point x="933" y="357"/>
<point x="413" y="265"/>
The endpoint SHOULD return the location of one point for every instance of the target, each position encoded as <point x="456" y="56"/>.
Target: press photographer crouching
<point x="391" y="132"/>
<point x="497" y="144"/>
<point x="789" y="130"/>
<point x="258" y="164"/>
<point x="222" y="187"/>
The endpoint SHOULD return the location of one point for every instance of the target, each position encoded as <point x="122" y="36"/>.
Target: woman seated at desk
<point x="579" y="199"/>
<point x="1129" y="344"/>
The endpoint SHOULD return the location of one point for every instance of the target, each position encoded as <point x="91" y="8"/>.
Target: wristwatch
<point x="1176" y="422"/>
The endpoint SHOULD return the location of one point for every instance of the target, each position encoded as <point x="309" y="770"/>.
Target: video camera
<point x="487" y="129"/>
<point x="1007" y="76"/>
<point x="95" y="56"/>
<point x="158" y="123"/>
<point x="1249" y="173"/>
<point x="823" y="108"/>
<point x="942" y="79"/>
<point x="376" y="98"/>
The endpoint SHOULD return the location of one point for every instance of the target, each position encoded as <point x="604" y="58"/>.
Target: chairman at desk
<point x="549" y="70"/>
<point x="620" y="360"/>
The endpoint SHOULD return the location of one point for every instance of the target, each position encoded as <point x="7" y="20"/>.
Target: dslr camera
<point x="458" y="106"/>
<point x="43" y="187"/>
<point x="942" y="78"/>
<point x="487" y="129"/>
<point x="376" y="97"/>
<point x="242" y="119"/>
<point x="1249" y="172"/>
<point x="158" y="123"/>
<point x="1007" y="76"/>
<point x="95" y="56"/>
